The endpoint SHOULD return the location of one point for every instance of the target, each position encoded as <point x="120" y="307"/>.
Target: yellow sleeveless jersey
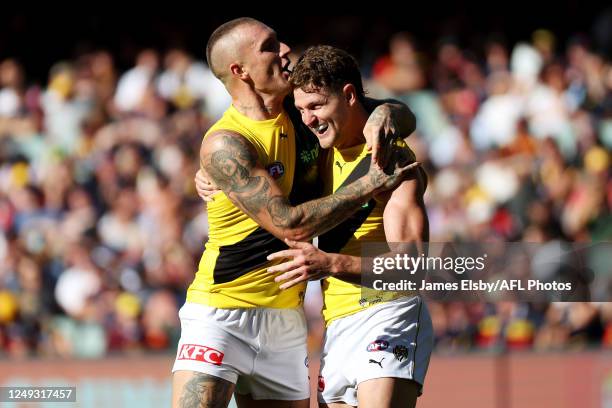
<point x="232" y="271"/>
<point x="341" y="298"/>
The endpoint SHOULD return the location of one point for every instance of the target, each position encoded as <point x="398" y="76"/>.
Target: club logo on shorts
<point x="378" y="345"/>
<point x="321" y="384"/>
<point x="400" y="352"/>
<point x="306" y="361"/>
<point x="200" y="353"/>
<point x="276" y="170"/>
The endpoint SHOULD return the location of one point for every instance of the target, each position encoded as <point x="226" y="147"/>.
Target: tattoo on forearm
<point x="282" y="213"/>
<point x="320" y="215"/>
<point x="377" y="117"/>
<point x="206" y="391"/>
<point x="230" y="168"/>
<point x="395" y="112"/>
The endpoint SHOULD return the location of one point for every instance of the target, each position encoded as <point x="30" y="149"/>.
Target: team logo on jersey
<point x="276" y="170"/>
<point x="200" y="353"/>
<point x="400" y="352"/>
<point x="378" y="345"/>
<point x="321" y="384"/>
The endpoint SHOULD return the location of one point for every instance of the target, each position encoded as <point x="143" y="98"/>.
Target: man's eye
<point x="271" y="47"/>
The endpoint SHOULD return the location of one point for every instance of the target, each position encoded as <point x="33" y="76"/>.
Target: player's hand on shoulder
<point x="392" y="175"/>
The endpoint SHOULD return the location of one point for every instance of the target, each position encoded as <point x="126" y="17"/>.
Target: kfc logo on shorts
<point x="276" y="170"/>
<point x="200" y="353"/>
<point x="378" y="345"/>
<point x="321" y="385"/>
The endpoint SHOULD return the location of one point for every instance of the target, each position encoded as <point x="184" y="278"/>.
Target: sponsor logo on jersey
<point x="379" y="363"/>
<point x="200" y="353"/>
<point x="378" y="345"/>
<point x="340" y="166"/>
<point x="276" y="170"/>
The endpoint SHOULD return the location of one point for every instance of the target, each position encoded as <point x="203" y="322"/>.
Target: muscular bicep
<point x="405" y="217"/>
<point x="232" y="164"/>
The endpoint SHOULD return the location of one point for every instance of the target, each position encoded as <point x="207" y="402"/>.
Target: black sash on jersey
<point x="336" y="238"/>
<point x="245" y="256"/>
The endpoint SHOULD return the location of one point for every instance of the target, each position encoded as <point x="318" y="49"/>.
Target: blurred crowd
<point x="517" y="141"/>
<point x="100" y="226"/>
<point x="101" y="229"/>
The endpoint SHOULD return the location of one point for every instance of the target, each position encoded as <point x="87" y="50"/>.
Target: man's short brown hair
<point x="324" y="66"/>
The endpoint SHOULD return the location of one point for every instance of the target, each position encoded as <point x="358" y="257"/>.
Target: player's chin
<point x="326" y="142"/>
<point x="283" y="86"/>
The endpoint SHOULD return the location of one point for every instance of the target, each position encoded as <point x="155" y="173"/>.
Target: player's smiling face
<point x="267" y="60"/>
<point x="325" y="112"/>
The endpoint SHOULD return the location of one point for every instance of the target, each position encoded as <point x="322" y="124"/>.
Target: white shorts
<point x="262" y="351"/>
<point x="392" y="339"/>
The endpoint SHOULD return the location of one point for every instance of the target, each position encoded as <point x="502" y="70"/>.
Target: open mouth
<point x="285" y="70"/>
<point x="321" y="128"/>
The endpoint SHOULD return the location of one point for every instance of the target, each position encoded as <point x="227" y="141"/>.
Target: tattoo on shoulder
<point x="230" y="168"/>
<point x="204" y="390"/>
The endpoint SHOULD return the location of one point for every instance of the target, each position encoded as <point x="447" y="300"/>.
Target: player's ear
<point x="350" y="94"/>
<point x="238" y="70"/>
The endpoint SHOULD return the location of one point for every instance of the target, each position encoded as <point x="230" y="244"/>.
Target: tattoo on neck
<point x="246" y="109"/>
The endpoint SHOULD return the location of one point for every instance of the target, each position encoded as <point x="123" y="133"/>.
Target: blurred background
<point x="101" y="119"/>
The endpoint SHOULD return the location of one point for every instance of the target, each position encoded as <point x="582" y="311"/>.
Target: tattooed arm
<point x="406" y="230"/>
<point x="231" y="163"/>
<point x="389" y="119"/>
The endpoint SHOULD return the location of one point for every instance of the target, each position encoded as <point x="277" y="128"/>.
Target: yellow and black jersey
<point x="342" y="167"/>
<point x="233" y="269"/>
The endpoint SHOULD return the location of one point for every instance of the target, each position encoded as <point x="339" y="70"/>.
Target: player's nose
<point x="284" y="49"/>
